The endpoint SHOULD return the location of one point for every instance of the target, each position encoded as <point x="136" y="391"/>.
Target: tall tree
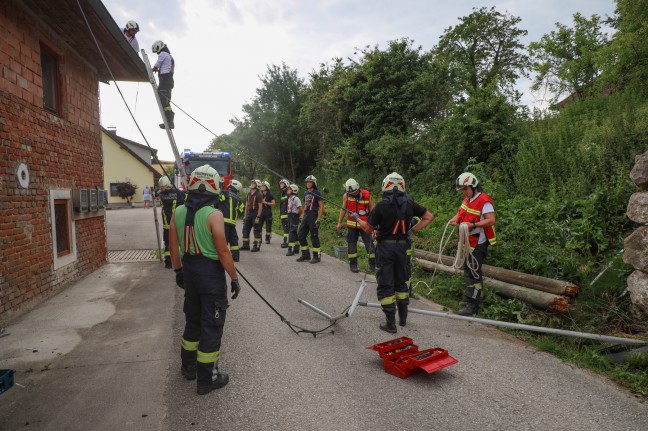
<point x="566" y="60"/>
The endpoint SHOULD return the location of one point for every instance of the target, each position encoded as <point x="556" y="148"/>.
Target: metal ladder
<point x="179" y="163"/>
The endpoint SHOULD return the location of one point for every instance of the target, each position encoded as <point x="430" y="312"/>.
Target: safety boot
<point x="167" y="262"/>
<point x="389" y="325"/>
<point x="305" y="256"/>
<point x="267" y="239"/>
<point x="235" y="255"/>
<point x="284" y="244"/>
<point x="372" y="265"/>
<point x="246" y="245"/>
<point x="170" y="115"/>
<point x="290" y="251"/>
<point x="402" y="313"/>
<point x="296" y="249"/>
<point x="188" y="371"/>
<point x="218" y="381"/>
<point x="256" y="246"/>
<point x="472" y="297"/>
<point x="316" y="257"/>
<point x="353" y="264"/>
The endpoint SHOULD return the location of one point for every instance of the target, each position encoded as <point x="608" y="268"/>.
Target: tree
<point x="566" y="60"/>
<point x="485" y="50"/>
<point x="126" y="190"/>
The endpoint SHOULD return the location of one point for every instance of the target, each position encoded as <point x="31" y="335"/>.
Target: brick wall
<point x="62" y="151"/>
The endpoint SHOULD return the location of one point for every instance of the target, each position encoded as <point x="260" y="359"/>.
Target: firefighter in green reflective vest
<point x="170" y="197"/>
<point x="232" y="207"/>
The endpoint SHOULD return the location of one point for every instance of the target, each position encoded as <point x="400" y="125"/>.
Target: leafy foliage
<point x="126" y="190"/>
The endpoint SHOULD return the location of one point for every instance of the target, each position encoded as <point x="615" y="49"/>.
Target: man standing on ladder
<point x="356" y="200"/>
<point x="391" y="217"/>
<point x="478" y="212"/>
<point x="170" y="198"/>
<point x="165" y="66"/>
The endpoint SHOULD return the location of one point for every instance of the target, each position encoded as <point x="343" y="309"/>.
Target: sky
<point x="222" y="47"/>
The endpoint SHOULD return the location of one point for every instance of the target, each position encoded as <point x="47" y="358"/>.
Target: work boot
<point x="402" y="313"/>
<point x="189" y="371"/>
<point x="296" y="249"/>
<point x="472" y="296"/>
<point x="167" y="262"/>
<point x="218" y="381"/>
<point x="353" y="264"/>
<point x="246" y="245"/>
<point x="267" y="239"/>
<point x="316" y="257"/>
<point x="390" y="323"/>
<point x="256" y="246"/>
<point x="170" y="115"/>
<point x="290" y="251"/>
<point x="284" y="244"/>
<point x="305" y="256"/>
<point x="372" y="265"/>
<point x="235" y="255"/>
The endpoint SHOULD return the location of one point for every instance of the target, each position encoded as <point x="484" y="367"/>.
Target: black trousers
<point x="293" y="226"/>
<point x="164" y="90"/>
<point x="480" y="252"/>
<point x="392" y="273"/>
<point x="353" y="235"/>
<point x="308" y="226"/>
<point x="266" y="219"/>
<point x="231" y="236"/>
<point x="248" y="225"/>
<point x="165" y="238"/>
<point x="205" y="306"/>
<point x="285" y="225"/>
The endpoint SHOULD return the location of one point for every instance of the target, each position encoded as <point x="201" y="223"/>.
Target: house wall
<point x="119" y="166"/>
<point x="61" y="151"/>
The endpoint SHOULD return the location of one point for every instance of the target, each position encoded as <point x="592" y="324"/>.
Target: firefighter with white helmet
<point x="232" y="207"/>
<point x="391" y="218"/>
<point x="356" y="200"/>
<point x="252" y="217"/>
<point x="267" y="202"/>
<point x="130" y="30"/>
<point x="478" y="213"/>
<point x="165" y="66"/>
<point x="170" y="198"/>
<point x="313" y="210"/>
<point x="200" y="256"/>
<point x="294" y="210"/>
<point x="284" y="185"/>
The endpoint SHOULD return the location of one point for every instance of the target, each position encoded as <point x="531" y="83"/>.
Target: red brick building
<point x="52" y="226"/>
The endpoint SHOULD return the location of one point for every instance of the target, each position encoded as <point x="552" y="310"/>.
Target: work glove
<point x="415" y="220"/>
<point x="317" y="224"/>
<point x="179" y="278"/>
<point x="354" y="216"/>
<point x="236" y="288"/>
<point x="257" y="220"/>
<point x="410" y="234"/>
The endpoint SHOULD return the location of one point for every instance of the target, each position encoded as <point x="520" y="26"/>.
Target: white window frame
<point x="60" y="262"/>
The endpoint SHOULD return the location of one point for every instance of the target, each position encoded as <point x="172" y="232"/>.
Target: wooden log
<point x="536" y="282"/>
<point x="536" y="298"/>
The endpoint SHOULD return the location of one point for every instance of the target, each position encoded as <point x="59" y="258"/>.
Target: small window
<point x="49" y="65"/>
<point x="62" y="220"/>
<point x="114" y="189"/>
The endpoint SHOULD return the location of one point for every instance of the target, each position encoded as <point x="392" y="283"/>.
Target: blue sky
<point x="221" y="47"/>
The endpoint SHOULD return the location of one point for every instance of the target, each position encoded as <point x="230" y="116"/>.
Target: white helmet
<point x="205" y="180"/>
<point x="236" y="184"/>
<point x="164" y="183"/>
<point x="157" y="46"/>
<point x="130" y="25"/>
<point x="351" y="186"/>
<point x="267" y="184"/>
<point x="312" y="179"/>
<point x="393" y="181"/>
<point x="257" y="183"/>
<point x="294" y="188"/>
<point x="285" y="182"/>
<point x="466" y="179"/>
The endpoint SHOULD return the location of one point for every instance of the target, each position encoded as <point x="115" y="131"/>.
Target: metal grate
<point x="133" y="256"/>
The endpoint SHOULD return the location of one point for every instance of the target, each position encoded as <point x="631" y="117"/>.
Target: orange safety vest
<point x="358" y="204"/>
<point x="471" y="212"/>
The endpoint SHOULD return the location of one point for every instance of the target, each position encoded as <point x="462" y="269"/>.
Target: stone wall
<point x="636" y="245"/>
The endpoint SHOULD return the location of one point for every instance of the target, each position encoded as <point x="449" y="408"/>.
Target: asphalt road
<point x="104" y="355"/>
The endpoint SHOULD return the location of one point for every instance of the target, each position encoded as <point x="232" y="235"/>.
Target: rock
<point x="635" y="250"/>
<point x="639" y="173"/>
<point x="638" y="208"/>
<point x="638" y="289"/>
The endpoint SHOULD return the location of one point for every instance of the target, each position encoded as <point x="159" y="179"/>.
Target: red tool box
<point x="402" y="358"/>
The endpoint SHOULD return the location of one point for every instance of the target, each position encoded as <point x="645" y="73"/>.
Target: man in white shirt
<point x="130" y="30"/>
<point x="165" y="66"/>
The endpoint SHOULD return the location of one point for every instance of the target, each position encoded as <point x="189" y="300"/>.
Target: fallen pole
<point x="520" y="326"/>
<point x="315" y="309"/>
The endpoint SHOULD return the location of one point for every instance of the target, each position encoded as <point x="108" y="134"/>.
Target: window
<point x="49" y="65"/>
<point x="114" y="189"/>
<point x="62" y="226"/>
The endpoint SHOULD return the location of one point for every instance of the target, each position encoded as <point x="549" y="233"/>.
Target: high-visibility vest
<point x="358" y="204"/>
<point x="471" y="212"/>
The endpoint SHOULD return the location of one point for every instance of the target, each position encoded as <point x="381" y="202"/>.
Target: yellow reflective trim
<point x="410" y="252"/>
<point x="352" y="255"/>
<point x="352" y="224"/>
<point x="292" y="244"/>
<point x="207" y="358"/>
<point x="402" y="295"/>
<point x="234" y="247"/>
<point x="388" y="300"/>
<point x="316" y="250"/>
<point x="470" y="210"/>
<point x="189" y="345"/>
<point x="372" y="255"/>
<point x="305" y="248"/>
<point x="284" y="215"/>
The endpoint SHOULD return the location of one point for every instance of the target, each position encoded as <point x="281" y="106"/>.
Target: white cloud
<point x="221" y="47"/>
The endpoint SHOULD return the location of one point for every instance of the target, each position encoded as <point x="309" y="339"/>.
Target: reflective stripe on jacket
<point x="471" y="212"/>
<point x="358" y="204"/>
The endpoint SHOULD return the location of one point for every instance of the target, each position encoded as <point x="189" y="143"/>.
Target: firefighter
<point x="267" y="202"/>
<point x="165" y="67"/>
<point x="391" y="217"/>
<point x="198" y="233"/>
<point x="170" y="198"/>
<point x="478" y="212"/>
<point x="295" y="211"/>
<point x="130" y="30"/>
<point x="357" y="201"/>
<point x="313" y="210"/>
<point x="252" y="218"/>
<point x="284" y="185"/>
<point x="232" y="207"/>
